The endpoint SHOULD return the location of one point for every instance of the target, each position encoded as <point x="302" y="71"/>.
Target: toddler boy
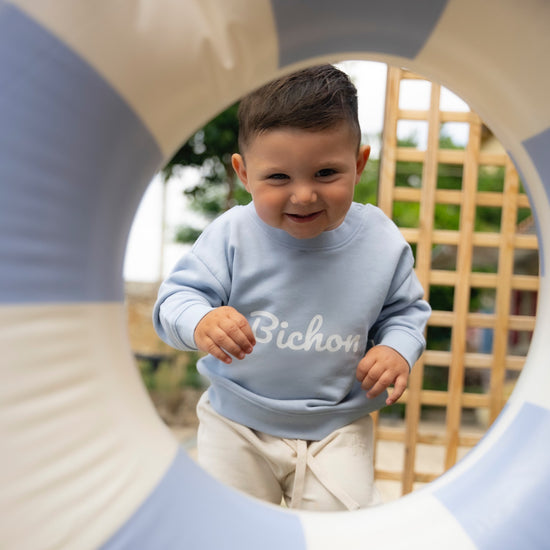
<point x="313" y="295"/>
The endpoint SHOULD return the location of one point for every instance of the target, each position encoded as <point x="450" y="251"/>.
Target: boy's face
<point x="302" y="181"/>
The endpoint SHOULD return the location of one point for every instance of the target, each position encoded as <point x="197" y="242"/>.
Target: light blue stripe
<point x="189" y="510"/>
<point x="74" y="162"/>
<point x="538" y="148"/>
<point x="504" y="500"/>
<point x="309" y="28"/>
<point x="542" y="263"/>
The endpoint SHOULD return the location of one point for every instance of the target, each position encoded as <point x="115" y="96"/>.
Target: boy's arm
<point x="189" y="313"/>
<point x="185" y="297"/>
<point x="402" y="320"/>
<point x="398" y="335"/>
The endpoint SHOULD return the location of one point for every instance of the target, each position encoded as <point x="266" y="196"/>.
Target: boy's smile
<point x="302" y="181"/>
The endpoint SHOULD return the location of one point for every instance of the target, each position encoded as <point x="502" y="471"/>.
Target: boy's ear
<point x="239" y="166"/>
<point x="362" y="157"/>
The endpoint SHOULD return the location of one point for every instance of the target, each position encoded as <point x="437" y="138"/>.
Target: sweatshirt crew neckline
<point x="353" y="222"/>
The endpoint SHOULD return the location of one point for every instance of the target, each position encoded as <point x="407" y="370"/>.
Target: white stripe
<point x="81" y="444"/>
<point x="416" y="522"/>
<point x="177" y="64"/>
<point x="491" y="53"/>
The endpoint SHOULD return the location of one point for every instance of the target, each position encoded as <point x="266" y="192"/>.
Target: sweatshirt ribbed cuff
<point x="187" y="323"/>
<point x="405" y="344"/>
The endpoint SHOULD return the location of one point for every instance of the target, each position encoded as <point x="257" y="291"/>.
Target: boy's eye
<point x="325" y="173"/>
<point x="277" y="177"/>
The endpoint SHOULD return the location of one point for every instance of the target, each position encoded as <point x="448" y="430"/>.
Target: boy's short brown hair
<point x="316" y="98"/>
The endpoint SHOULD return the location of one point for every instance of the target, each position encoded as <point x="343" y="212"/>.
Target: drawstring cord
<point x="304" y="460"/>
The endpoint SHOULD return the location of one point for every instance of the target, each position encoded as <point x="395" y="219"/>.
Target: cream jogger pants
<point x="335" y="473"/>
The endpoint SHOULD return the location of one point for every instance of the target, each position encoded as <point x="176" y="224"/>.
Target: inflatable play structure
<point x="94" y="98"/>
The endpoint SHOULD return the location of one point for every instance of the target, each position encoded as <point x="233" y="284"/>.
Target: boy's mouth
<point x="303" y="218"/>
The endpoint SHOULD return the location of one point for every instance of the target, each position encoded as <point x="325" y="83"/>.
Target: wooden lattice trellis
<point x="502" y="361"/>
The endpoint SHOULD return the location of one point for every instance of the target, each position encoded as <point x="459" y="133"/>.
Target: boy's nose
<point x="303" y="194"/>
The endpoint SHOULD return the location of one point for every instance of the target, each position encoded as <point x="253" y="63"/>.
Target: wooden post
<point x="504" y="290"/>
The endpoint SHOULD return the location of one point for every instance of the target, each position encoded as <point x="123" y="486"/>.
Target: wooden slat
<point x="451" y="156"/>
<point x="386" y="475"/>
<point x="409" y="154"/>
<point x="486" y="198"/>
<point x="489" y="158"/>
<point x="489" y="198"/>
<point x="406" y="194"/>
<point x="391" y="434"/>
<point x="445" y="116"/>
<point x="423" y="266"/>
<point x="489" y="240"/>
<point x="448" y="196"/>
<point x="397" y="435"/>
<point x="389" y="142"/>
<point x="410" y="114"/>
<point x="417" y="477"/>
<point x="504" y="288"/>
<point x="527" y="242"/>
<point x="481" y="280"/>
<point x="515" y="322"/>
<point x="409" y="75"/>
<point x="441" y="398"/>
<point x="421" y="477"/>
<point x="472" y="360"/>
<point x="390" y="155"/>
<point x="462" y="293"/>
<point x="459" y="116"/>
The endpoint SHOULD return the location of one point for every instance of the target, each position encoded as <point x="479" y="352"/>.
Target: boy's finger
<point x="372" y="378"/>
<point x="398" y="389"/>
<point x="228" y="344"/>
<point x="244" y="327"/>
<point x="216" y="351"/>
<point x="234" y="340"/>
<point x="376" y="390"/>
<point x="364" y="367"/>
<point x="247" y="329"/>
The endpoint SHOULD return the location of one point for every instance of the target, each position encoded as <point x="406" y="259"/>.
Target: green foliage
<point x="210" y="147"/>
<point x="192" y="377"/>
<point x="367" y="189"/>
<point x="147" y="375"/>
<point x="177" y="371"/>
<point x="210" y="151"/>
<point x="187" y="234"/>
<point x="154" y="378"/>
<point x="397" y="410"/>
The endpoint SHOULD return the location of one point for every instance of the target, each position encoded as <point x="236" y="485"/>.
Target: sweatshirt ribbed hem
<point x="313" y="424"/>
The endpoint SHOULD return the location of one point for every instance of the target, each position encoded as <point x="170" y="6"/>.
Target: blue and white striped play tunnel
<point x="94" y="97"/>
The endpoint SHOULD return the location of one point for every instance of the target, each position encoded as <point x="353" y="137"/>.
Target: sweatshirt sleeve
<point x="199" y="283"/>
<point x="403" y="318"/>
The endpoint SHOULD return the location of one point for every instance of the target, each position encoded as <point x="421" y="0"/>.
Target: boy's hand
<point x="381" y="367"/>
<point x="225" y="331"/>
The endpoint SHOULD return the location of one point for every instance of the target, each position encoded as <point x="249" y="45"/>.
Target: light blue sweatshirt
<point x="313" y="304"/>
